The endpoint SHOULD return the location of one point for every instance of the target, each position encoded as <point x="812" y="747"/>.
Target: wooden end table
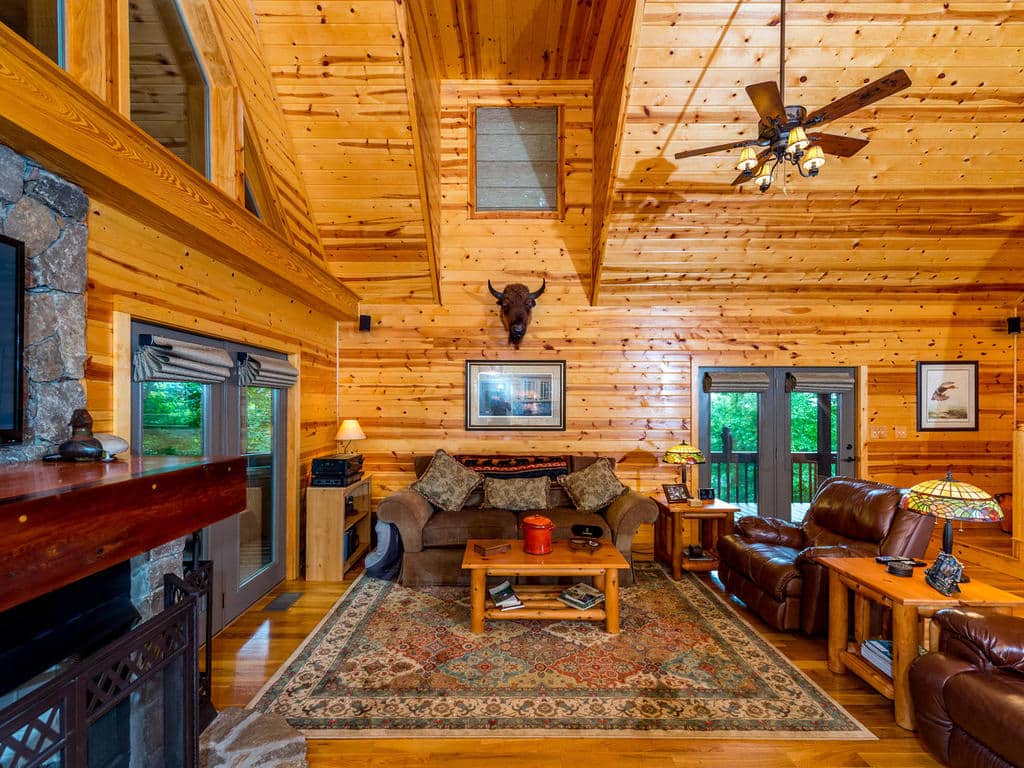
<point x="542" y="602"/>
<point x="913" y="603"/>
<point x="716" y="519"/>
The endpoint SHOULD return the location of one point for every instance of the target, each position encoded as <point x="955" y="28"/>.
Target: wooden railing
<point x="734" y="475"/>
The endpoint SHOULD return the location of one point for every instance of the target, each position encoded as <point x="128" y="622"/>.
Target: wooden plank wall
<point x="266" y="126"/>
<point x="630" y="368"/>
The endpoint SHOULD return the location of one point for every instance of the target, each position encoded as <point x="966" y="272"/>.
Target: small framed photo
<point x="947" y="396"/>
<point x="675" y="493"/>
<point x="528" y="395"/>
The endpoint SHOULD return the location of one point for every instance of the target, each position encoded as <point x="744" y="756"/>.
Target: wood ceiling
<point x="932" y="206"/>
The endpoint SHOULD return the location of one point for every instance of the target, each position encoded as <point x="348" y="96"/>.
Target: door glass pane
<point x="256" y="523"/>
<point x="38" y="21"/>
<point x="814" y="440"/>
<point x="173" y="413"/>
<point x="734" y="443"/>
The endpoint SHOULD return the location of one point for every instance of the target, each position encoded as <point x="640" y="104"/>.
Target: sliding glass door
<point x="224" y="418"/>
<point x="771" y="435"/>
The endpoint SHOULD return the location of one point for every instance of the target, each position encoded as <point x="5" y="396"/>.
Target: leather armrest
<point x="770" y="530"/>
<point x="410" y="512"/>
<point x="626" y="514"/>
<point x="928" y="677"/>
<point x="985" y="640"/>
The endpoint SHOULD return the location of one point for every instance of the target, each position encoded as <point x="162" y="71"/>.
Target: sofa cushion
<point x="446" y="483"/>
<point x="564" y="518"/>
<point x="594" y="487"/>
<point x="517" y="466"/>
<point x="771" y="566"/>
<point x="450" y="529"/>
<point x="518" y="493"/>
<point x="845" y="508"/>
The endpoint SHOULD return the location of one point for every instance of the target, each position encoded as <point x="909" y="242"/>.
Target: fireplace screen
<point x="130" y="705"/>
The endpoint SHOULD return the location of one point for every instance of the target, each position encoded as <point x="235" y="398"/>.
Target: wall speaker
<point x="364" y="322"/>
<point x="1013" y="325"/>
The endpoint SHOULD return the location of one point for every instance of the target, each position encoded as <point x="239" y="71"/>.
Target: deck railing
<point x="734" y="475"/>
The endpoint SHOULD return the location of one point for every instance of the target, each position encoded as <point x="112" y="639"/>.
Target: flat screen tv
<point x="12" y="328"/>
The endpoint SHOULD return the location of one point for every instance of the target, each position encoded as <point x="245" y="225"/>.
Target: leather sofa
<point x="770" y="563"/>
<point x="434" y="540"/>
<point x="969" y="696"/>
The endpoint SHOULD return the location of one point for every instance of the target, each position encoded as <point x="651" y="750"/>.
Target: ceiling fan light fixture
<point x="764" y="176"/>
<point x="797" y="142"/>
<point x="748" y="160"/>
<point x="812" y="160"/>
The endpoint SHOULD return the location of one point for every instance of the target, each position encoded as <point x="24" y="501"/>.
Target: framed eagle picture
<point x="947" y="396"/>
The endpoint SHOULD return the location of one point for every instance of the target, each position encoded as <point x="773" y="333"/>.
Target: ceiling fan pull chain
<point x="782" y="52"/>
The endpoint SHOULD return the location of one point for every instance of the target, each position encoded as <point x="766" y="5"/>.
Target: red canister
<point x="537" y="535"/>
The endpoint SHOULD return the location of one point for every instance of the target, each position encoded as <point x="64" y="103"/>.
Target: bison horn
<point x="496" y="294"/>
<point x="539" y="291"/>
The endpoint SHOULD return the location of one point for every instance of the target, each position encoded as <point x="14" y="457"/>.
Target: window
<point x="38" y="21"/>
<point x="168" y="87"/>
<point x="517" y="160"/>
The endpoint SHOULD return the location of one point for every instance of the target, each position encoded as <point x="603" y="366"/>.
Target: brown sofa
<point x="770" y="564"/>
<point x="969" y="696"/>
<point x="434" y="540"/>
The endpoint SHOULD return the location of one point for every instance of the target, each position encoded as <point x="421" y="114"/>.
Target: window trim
<point x="557" y="214"/>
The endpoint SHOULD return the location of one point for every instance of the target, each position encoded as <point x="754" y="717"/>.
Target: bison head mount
<point x="517" y="303"/>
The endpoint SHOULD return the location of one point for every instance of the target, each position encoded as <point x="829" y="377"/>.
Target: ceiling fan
<point x="784" y="131"/>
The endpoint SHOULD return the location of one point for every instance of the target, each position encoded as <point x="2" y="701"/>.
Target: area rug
<point x="394" y="662"/>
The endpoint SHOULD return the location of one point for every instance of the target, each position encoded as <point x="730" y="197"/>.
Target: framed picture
<point x="947" y="396"/>
<point x="515" y="396"/>
<point x="675" y="493"/>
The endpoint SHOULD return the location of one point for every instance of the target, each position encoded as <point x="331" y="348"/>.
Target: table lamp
<point x="950" y="500"/>
<point x="684" y="455"/>
<point x="347" y="432"/>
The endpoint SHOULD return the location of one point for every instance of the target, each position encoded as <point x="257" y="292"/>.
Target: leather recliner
<point x="771" y="565"/>
<point x="969" y="696"/>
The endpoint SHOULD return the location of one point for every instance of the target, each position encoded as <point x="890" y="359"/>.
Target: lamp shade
<point x="797" y="141"/>
<point x="813" y="159"/>
<point x="349" y="430"/>
<point x="952" y="500"/>
<point x="684" y="453"/>
<point x="748" y="160"/>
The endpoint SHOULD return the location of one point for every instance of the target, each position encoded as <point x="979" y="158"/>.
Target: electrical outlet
<point x="879" y="433"/>
<point x="900" y="432"/>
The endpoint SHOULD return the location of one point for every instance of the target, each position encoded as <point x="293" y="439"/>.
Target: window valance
<point x="261" y="371"/>
<point x="158" y="358"/>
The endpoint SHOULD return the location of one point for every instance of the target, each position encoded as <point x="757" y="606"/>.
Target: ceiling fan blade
<point x="745" y="177"/>
<point x="840" y="146"/>
<point x="767" y="99"/>
<point x="862" y="97"/>
<point x="716" y="148"/>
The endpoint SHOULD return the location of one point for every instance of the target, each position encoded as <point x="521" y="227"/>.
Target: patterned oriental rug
<point x="394" y="662"/>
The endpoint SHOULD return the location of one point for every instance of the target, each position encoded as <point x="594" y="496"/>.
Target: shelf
<point x="361" y="550"/>
<point x="357" y="517"/>
<point x="869" y="673"/>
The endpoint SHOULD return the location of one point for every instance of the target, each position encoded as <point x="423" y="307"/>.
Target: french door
<point x="771" y="435"/>
<point x="187" y="418"/>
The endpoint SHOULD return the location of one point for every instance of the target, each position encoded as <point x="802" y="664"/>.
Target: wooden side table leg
<point x="477" y="590"/>
<point x="904" y="651"/>
<point x="677" y="544"/>
<point x="838" y="622"/>
<point x="861" y="618"/>
<point x="611" y="600"/>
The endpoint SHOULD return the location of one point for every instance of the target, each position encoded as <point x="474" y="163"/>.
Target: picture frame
<point x="947" y="396"/>
<point x="675" y="493"/>
<point x="525" y="395"/>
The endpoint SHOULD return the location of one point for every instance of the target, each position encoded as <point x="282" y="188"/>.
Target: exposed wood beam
<point x="421" y="54"/>
<point x="611" y="99"/>
<point x="53" y="119"/>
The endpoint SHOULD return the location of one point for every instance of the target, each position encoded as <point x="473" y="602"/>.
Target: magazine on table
<point x="581" y="596"/>
<point x="505" y="597"/>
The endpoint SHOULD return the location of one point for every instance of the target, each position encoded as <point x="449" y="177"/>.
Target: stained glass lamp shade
<point x="684" y="454"/>
<point x="952" y="500"/>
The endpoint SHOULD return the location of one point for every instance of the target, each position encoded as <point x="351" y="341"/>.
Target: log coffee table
<point x="541" y="602"/>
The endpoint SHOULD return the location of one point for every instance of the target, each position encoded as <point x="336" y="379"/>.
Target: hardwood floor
<point x="248" y="652"/>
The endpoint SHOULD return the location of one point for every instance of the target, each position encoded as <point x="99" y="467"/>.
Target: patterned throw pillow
<point x="594" y="487"/>
<point x="517" y="466"/>
<point x="519" y="494"/>
<point x="446" y="483"/>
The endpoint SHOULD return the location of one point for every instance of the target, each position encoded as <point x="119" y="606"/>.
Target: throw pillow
<point x="446" y="483"/>
<point x="517" y="466"/>
<point x="519" y="494"/>
<point x="594" y="487"/>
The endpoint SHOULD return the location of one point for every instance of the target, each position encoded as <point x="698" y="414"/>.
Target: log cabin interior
<point x="243" y="222"/>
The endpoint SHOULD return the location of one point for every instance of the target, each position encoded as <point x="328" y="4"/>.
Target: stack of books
<point x="581" y="596"/>
<point x="878" y="653"/>
<point x="505" y="597"/>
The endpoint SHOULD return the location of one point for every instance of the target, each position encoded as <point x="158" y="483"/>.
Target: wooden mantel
<point x="60" y="522"/>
